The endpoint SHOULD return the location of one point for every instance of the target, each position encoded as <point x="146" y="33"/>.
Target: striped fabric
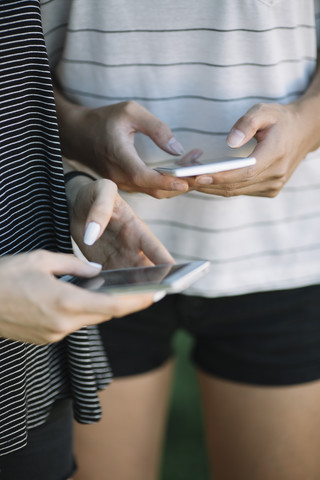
<point x="33" y="215"/>
<point x="199" y="66"/>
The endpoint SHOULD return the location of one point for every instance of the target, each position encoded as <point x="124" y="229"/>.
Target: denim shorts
<point x="267" y="338"/>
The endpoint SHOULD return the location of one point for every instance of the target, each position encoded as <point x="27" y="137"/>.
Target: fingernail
<point x="204" y="180"/>
<point x="175" y="147"/>
<point x="91" y="233"/>
<point x="95" y="265"/>
<point x="179" y="186"/>
<point x="235" y="138"/>
<point x="158" y="296"/>
<point x="195" y="156"/>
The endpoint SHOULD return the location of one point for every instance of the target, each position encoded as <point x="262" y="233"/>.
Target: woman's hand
<point x="283" y="141"/>
<point x="103" y="140"/>
<point x="36" y="307"/>
<point x="107" y="230"/>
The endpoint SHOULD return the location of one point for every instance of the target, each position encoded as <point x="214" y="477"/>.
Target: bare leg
<point x="126" y="444"/>
<point x="262" y="433"/>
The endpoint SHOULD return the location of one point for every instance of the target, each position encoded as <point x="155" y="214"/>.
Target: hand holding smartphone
<point x="191" y="169"/>
<point x="169" y="278"/>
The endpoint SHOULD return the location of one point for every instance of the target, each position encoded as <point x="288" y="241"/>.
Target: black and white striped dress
<point x="34" y="216"/>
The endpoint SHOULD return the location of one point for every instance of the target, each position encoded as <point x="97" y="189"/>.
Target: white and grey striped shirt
<point x="199" y="66"/>
<point x="33" y="215"/>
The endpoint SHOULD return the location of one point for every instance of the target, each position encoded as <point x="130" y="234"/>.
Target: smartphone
<point x="171" y="278"/>
<point x="177" y="169"/>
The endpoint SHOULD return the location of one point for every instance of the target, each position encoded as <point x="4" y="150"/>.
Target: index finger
<point x="86" y="302"/>
<point x="142" y="176"/>
<point x="263" y="153"/>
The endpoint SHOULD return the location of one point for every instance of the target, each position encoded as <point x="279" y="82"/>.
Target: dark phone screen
<point x="126" y="277"/>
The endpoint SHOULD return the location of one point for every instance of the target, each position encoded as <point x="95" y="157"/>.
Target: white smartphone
<point x="171" y="278"/>
<point x="177" y="169"/>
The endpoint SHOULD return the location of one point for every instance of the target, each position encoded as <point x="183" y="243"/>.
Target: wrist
<point x="307" y="109"/>
<point x="73" y="128"/>
<point x="74" y="181"/>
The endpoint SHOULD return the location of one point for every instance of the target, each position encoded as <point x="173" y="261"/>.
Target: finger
<point x="63" y="264"/>
<point x="155" y="250"/>
<point x="264" y="188"/>
<point x="103" y="305"/>
<point x="154" y="192"/>
<point x="190" y="158"/>
<point x="257" y="118"/>
<point x="145" y="177"/>
<point x="111" y="307"/>
<point x="264" y="154"/>
<point x="141" y="238"/>
<point x="104" y="195"/>
<point x="157" y="130"/>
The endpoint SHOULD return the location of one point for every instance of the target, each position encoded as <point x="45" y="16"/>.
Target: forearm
<point x="74" y="137"/>
<point x="308" y="109"/>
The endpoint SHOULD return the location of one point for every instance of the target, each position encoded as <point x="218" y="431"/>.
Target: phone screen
<point x="110" y="279"/>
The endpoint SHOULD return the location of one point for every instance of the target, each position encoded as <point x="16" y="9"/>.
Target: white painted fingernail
<point x="158" y="296"/>
<point x="91" y="233"/>
<point x="235" y="138"/>
<point x="175" y="147"/>
<point x="95" y="265"/>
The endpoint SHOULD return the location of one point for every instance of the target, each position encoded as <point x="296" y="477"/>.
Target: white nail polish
<point x="158" y="296"/>
<point x="91" y="233"/>
<point x="95" y="265"/>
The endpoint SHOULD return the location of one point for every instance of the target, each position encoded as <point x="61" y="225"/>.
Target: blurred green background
<point x="184" y="455"/>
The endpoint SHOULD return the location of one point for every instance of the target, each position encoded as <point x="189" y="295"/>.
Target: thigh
<point x="126" y="443"/>
<point x="262" y="433"/>
<point x="258" y="359"/>
<point x="48" y="454"/>
<point x="135" y="404"/>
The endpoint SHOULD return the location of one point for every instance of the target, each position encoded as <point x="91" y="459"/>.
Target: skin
<point x="124" y="240"/>
<point x="243" y="443"/>
<point x="38" y="308"/>
<point x="285" y="134"/>
<point x="132" y="430"/>
<point x="103" y="140"/>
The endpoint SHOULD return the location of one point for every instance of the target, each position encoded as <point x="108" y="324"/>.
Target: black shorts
<point x="48" y="454"/>
<point x="268" y="338"/>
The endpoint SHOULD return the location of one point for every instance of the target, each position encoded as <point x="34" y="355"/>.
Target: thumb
<point x="256" y="119"/>
<point x="64" y="264"/>
<point x="145" y="177"/>
<point x="158" y="131"/>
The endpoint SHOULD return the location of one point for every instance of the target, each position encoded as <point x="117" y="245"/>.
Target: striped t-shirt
<point x="34" y="216"/>
<point x="199" y="66"/>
